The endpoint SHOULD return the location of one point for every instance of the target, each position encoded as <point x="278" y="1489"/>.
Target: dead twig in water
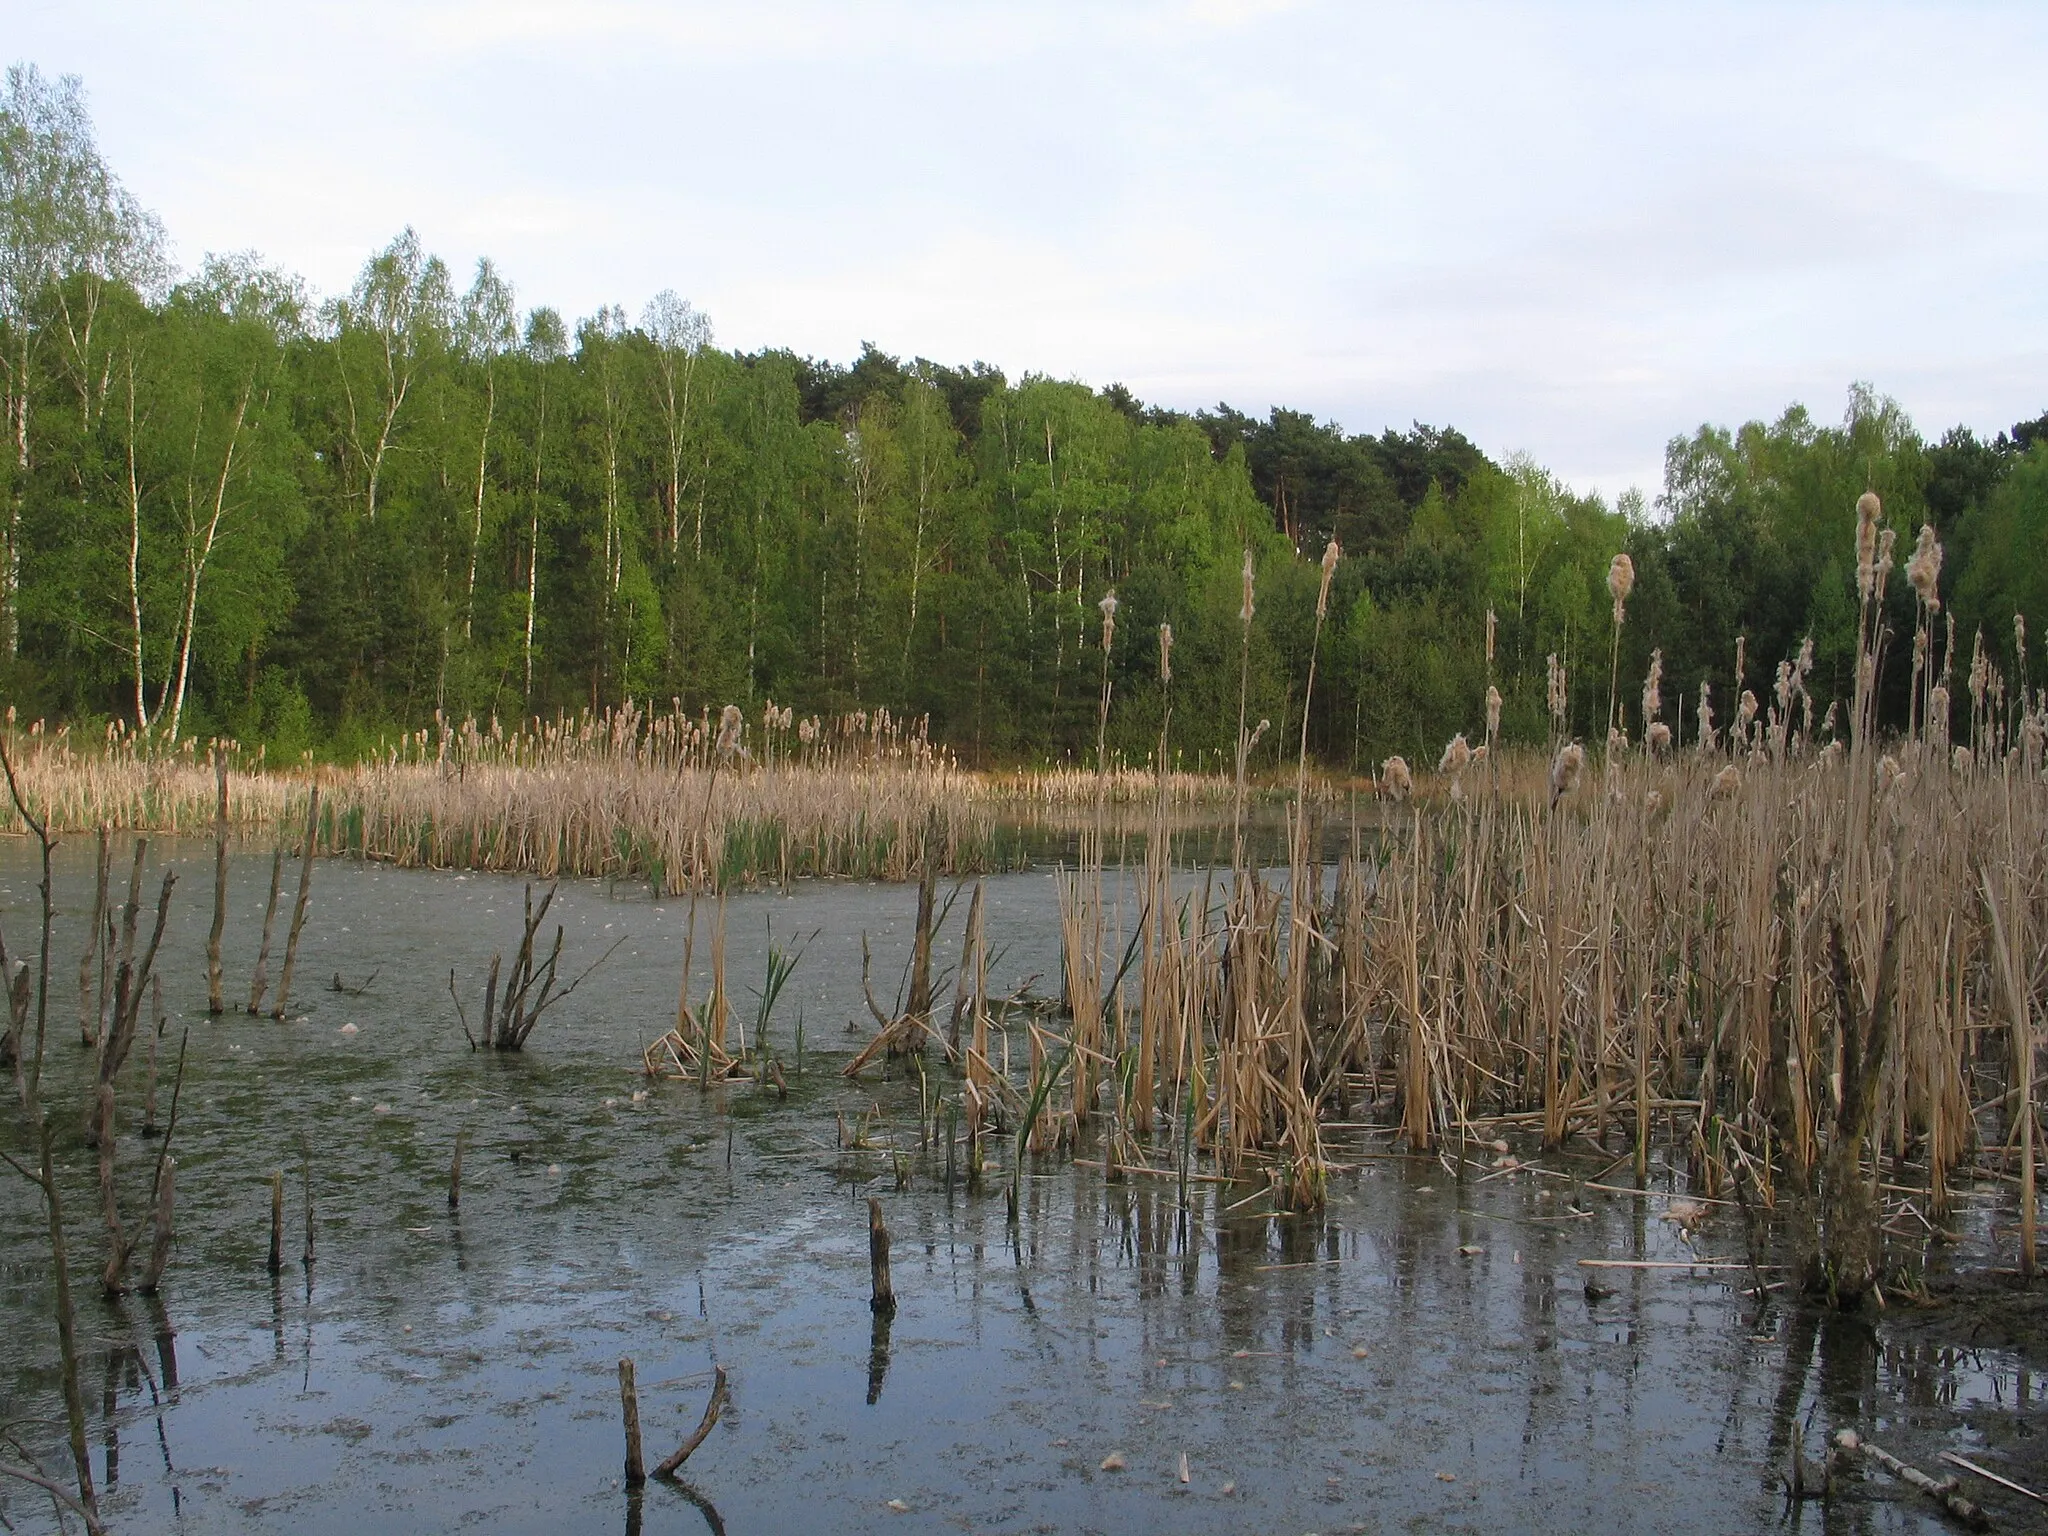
<point x="712" y="1410"/>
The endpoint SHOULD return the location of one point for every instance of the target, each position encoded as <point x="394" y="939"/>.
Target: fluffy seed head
<point x="1108" y="607"/>
<point x="1492" y="712"/>
<point x="1331" y="555"/>
<point x="1653" y="694"/>
<point x="730" y="720"/>
<point x="1244" y="612"/>
<point x="1888" y="772"/>
<point x="1706" y="731"/>
<point x="1658" y="738"/>
<point x="1457" y="756"/>
<point x="1396" y="782"/>
<point x="1491" y="626"/>
<point x="1923" y="569"/>
<point x="1727" y="782"/>
<point x="1868" y="510"/>
<point x="1166" y="653"/>
<point x="1962" y="759"/>
<point x="1554" y="688"/>
<point x="1621" y="580"/>
<point x="1565" y="769"/>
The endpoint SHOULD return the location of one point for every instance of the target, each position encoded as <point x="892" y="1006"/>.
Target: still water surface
<point x="1422" y="1357"/>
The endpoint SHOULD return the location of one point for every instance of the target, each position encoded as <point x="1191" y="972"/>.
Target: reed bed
<point x="623" y="794"/>
<point x="1793" y="957"/>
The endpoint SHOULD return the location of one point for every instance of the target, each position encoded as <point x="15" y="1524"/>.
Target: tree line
<point x="229" y="508"/>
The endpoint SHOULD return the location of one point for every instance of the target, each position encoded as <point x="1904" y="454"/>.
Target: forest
<point x="232" y="507"/>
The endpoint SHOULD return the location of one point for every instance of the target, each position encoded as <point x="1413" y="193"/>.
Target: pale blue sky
<point x="1571" y="230"/>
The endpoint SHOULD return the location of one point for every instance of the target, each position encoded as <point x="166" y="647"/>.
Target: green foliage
<point x="313" y="527"/>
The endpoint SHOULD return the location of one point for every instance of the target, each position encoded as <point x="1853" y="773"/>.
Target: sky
<point x="1569" y="230"/>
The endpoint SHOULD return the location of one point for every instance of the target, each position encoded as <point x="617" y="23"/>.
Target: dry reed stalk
<point x="214" y="1002"/>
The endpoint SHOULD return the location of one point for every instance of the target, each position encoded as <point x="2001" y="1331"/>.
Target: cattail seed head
<point x="1886" y="542"/>
<point x="1962" y="759"/>
<point x="1653" y="801"/>
<point x="1745" y="709"/>
<point x="1980" y="671"/>
<point x="1888" y="773"/>
<point x="1554" y="688"/>
<point x="1244" y="612"/>
<point x="1621" y="580"/>
<point x="1565" y="769"/>
<point x="1492" y="712"/>
<point x="1165" y="654"/>
<point x="1706" y="712"/>
<point x="1491" y="626"/>
<point x="1923" y="569"/>
<point x="1868" y="511"/>
<point x="1108" y="607"/>
<point x="1457" y="756"/>
<point x="1396" y="782"/>
<point x="1727" y="782"/>
<point x="1653" y="695"/>
<point x="1331" y="555"/>
<point x="1657" y="738"/>
<point x="730" y="722"/>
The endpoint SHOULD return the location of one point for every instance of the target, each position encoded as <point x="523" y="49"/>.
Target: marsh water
<point x="1425" y="1355"/>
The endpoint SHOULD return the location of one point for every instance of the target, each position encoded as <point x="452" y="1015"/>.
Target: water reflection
<point x="1423" y="1354"/>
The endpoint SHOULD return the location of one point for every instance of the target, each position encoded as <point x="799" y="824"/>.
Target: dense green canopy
<point x="230" y="509"/>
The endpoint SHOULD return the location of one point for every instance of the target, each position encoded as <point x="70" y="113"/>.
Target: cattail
<point x="1831" y="754"/>
<point x="1457" y="756"/>
<point x="1492" y="712"/>
<point x="1727" y="782"/>
<point x="1653" y="695"/>
<point x="1658" y="738"/>
<point x="1331" y="555"/>
<point x="1980" y="671"/>
<point x="1782" y="687"/>
<point x="1745" y="710"/>
<point x="1621" y="580"/>
<point x="1653" y="801"/>
<point x="1491" y="625"/>
<point x="1617" y="743"/>
<point x="1923" y="569"/>
<point x="1868" y="510"/>
<point x="2019" y="644"/>
<point x="1479" y="754"/>
<point x="1565" y="769"/>
<point x="1706" y="733"/>
<point x="1244" y="612"/>
<point x="1554" y="689"/>
<point x="1165" y="655"/>
<point x="1888" y="773"/>
<point x="1108" y="607"/>
<point x="1396" y="782"/>
<point x="1886" y="541"/>
<point x="730" y="723"/>
<point x="1962" y="759"/>
<point x="1741" y="660"/>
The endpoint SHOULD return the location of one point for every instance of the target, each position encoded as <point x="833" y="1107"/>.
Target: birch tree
<point x="395" y="318"/>
<point x="680" y="334"/>
<point x="547" y="343"/>
<point x="487" y="327"/>
<point x="62" y="214"/>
